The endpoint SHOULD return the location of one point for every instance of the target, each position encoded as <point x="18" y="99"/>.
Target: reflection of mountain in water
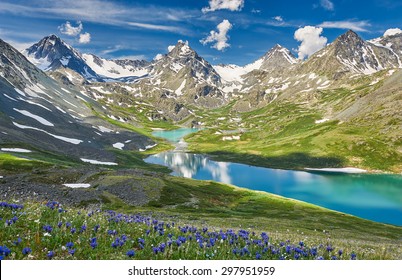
<point x="375" y="197"/>
<point x="188" y="165"/>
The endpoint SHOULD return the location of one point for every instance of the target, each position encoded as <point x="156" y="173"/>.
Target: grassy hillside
<point x="290" y="135"/>
<point x="180" y="203"/>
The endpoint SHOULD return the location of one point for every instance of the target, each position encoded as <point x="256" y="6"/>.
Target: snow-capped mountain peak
<point x="52" y="53"/>
<point x="361" y="56"/>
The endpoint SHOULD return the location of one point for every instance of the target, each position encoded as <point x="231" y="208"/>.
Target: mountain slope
<point x="185" y="77"/>
<point x="37" y="112"/>
<point x="117" y="69"/>
<point x="52" y="53"/>
<point x="349" y="54"/>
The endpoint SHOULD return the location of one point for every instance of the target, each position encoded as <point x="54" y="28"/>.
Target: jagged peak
<point x="349" y="36"/>
<point x="53" y="42"/>
<point x="52" y="39"/>
<point x="182" y="48"/>
<point x="279" y="50"/>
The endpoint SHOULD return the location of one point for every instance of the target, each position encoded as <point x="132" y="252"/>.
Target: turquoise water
<point x="369" y="196"/>
<point x="174" y="135"/>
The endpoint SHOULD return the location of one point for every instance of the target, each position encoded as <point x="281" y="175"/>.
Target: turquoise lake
<point x="371" y="196"/>
<point x="174" y="135"/>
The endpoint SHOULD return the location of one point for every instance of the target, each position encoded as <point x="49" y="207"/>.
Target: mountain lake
<point x="376" y="197"/>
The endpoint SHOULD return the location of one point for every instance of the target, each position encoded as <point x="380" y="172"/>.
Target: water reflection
<point x="190" y="165"/>
<point x="375" y="197"/>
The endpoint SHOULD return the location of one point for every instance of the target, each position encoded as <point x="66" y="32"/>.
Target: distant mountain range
<point x="185" y="76"/>
<point x="55" y="97"/>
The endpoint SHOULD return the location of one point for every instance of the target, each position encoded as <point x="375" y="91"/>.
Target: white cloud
<point x="347" y="24"/>
<point x="310" y="39"/>
<point x="105" y="12"/>
<point x="84" y="38"/>
<point x="327" y="5"/>
<point x="255" y="11"/>
<point x="232" y="5"/>
<point x="156" y="27"/>
<point x="70" y="30"/>
<point x="158" y="56"/>
<point x="392" y="31"/>
<point x="278" y="18"/>
<point x="220" y="38"/>
<point x="170" y="48"/>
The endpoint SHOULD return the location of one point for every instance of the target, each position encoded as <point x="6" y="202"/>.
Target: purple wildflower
<point x="47" y="228"/>
<point x="50" y="255"/>
<point x="130" y="253"/>
<point x="26" y="251"/>
<point x="93" y="242"/>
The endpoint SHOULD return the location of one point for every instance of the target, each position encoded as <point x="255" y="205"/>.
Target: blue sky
<point x="242" y="30"/>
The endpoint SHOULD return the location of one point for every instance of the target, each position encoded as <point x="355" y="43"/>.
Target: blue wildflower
<point x="73" y="230"/>
<point x="130" y="253"/>
<point x="47" y="228"/>
<point x="68" y="224"/>
<point x="71" y="252"/>
<point x="93" y="243"/>
<point x="83" y="228"/>
<point x="340" y="252"/>
<point x="258" y="256"/>
<point x="329" y="248"/>
<point x="155" y="250"/>
<point x="162" y="247"/>
<point x="17" y="242"/>
<point x="50" y="255"/>
<point x="70" y="245"/>
<point x="353" y="256"/>
<point x="26" y="251"/>
<point x="320" y="258"/>
<point x="313" y="251"/>
<point x="96" y="227"/>
<point x="59" y="224"/>
<point x="4" y="251"/>
<point x="52" y="204"/>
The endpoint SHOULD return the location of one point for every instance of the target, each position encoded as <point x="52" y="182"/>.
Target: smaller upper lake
<point x="174" y="135"/>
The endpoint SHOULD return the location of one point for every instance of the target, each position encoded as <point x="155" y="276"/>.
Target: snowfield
<point x="92" y="161"/>
<point x="16" y="150"/>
